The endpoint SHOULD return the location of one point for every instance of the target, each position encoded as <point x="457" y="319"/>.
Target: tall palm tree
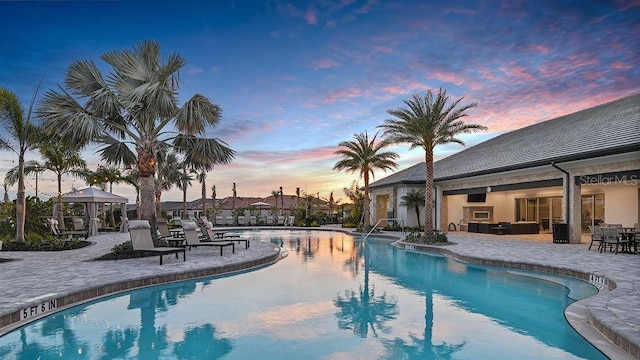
<point x="23" y="136"/>
<point x="414" y="199"/>
<point x="202" y="179"/>
<point x="110" y="175"/>
<point x="426" y="123"/>
<point x="133" y="112"/>
<point x="60" y="161"/>
<point x="357" y="199"/>
<point x="132" y="178"/>
<point x="365" y="156"/>
<point x="167" y="176"/>
<point x="184" y="182"/>
<point x="276" y="194"/>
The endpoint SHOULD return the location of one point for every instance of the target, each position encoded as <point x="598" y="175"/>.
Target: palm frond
<point x="116" y="152"/>
<point x="196" y="114"/>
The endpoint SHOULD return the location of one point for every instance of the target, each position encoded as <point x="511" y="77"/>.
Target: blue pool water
<point x="331" y="298"/>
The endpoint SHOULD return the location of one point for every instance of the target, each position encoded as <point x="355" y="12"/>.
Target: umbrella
<point x="260" y="203"/>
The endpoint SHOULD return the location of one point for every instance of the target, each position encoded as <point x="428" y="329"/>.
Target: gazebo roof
<point x="94" y="195"/>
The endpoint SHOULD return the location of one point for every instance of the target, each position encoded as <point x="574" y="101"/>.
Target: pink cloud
<point x="621" y="66"/>
<point x="518" y="72"/>
<point x="449" y="77"/>
<point x="342" y="94"/>
<point x="627" y="4"/>
<point x="325" y="64"/>
<point x="311" y="17"/>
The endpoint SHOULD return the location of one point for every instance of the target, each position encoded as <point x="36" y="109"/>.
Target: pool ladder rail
<point x="378" y="223"/>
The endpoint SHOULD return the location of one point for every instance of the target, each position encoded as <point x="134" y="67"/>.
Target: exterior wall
<point x="622" y="198"/>
<point x="620" y="202"/>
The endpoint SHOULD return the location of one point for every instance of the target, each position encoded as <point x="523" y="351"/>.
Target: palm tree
<point x="414" y="199"/>
<point x="357" y="199"/>
<point x="167" y="175"/>
<point x="202" y="179"/>
<point x="184" y="182"/>
<point x="133" y="112"/>
<point x="365" y="156"/>
<point x="61" y="161"/>
<point x="110" y="175"/>
<point x="276" y="194"/>
<point x="428" y="122"/>
<point x="24" y="136"/>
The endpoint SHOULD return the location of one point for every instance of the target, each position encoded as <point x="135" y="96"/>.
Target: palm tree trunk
<point x="158" y="202"/>
<point x="418" y="215"/>
<point x="428" y="208"/>
<point x="21" y="205"/>
<point x="147" y="169"/>
<point x="204" y="198"/>
<point x="112" y="221"/>
<point x="60" y="212"/>
<point x="367" y="211"/>
<point x="184" y="203"/>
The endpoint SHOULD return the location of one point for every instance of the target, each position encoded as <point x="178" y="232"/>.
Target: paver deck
<point x="37" y="276"/>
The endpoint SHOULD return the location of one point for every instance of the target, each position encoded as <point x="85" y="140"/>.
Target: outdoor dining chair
<point x="596" y="236"/>
<point x="611" y="236"/>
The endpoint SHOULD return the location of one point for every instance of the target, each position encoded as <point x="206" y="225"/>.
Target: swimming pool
<point x="331" y="298"/>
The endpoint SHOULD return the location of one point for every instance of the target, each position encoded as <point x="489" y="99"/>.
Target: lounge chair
<point x="252" y="220"/>
<point x="55" y="230"/>
<point x="291" y="220"/>
<point x="269" y="220"/>
<point x="280" y="220"/>
<point x="165" y="234"/>
<point x="229" y="220"/>
<point x="209" y="235"/>
<point x="193" y="240"/>
<point x="596" y="236"/>
<point x="140" y="233"/>
<point x="219" y="220"/>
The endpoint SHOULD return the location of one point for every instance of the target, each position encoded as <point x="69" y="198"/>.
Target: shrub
<point x="126" y="246"/>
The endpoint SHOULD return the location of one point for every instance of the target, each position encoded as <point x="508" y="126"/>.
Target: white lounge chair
<point x="193" y="240"/>
<point x="219" y="220"/>
<point x="140" y="233"/>
<point x="280" y="220"/>
<point x="207" y="230"/>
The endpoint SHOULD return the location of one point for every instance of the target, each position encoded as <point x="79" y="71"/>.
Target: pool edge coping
<point x="10" y="320"/>
<point x="619" y="333"/>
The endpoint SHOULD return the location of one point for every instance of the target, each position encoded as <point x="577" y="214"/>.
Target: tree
<point x="365" y="156"/>
<point x="426" y="123"/>
<point x="357" y="199"/>
<point x="60" y="161"/>
<point x="414" y="199"/>
<point x="186" y="177"/>
<point x="23" y="136"/>
<point x="167" y="176"/>
<point x="276" y="194"/>
<point x="132" y="113"/>
<point x="110" y="175"/>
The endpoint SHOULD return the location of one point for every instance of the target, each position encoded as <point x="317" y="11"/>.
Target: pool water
<point x="332" y="297"/>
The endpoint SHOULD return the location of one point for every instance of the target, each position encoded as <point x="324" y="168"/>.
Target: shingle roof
<point x="605" y="129"/>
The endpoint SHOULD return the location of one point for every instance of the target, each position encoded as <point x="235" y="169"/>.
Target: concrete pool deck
<point x="34" y="278"/>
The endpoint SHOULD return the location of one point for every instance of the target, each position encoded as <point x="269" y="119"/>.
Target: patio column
<point x="575" y="211"/>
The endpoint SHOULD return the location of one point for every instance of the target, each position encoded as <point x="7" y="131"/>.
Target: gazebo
<point x="91" y="197"/>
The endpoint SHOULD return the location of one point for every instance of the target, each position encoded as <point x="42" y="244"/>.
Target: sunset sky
<point x="294" y="78"/>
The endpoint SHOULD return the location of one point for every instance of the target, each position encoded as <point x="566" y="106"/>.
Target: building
<point x="579" y="169"/>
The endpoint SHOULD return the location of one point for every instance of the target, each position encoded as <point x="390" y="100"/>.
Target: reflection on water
<point x="335" y="298"/>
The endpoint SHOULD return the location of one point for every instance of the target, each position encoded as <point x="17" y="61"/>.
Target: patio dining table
<point x="632" y="235"/>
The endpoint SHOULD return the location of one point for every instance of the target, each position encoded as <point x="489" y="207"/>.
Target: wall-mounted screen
<point x="475" y="198"/>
